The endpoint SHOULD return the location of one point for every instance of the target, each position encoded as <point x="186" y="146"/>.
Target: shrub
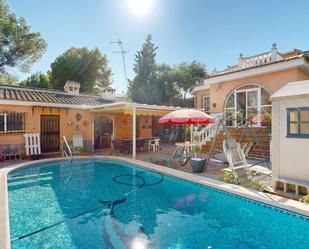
<point x="228" y="177"/>
<point x="305" y="199"/>
<point x="83" y="149"/>
<point x="254" y="184"/>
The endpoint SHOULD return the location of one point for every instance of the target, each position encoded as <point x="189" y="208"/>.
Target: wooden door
<point x="50" y="133"/>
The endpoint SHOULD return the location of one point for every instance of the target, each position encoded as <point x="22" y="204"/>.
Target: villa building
<point x="96" y="119"/>
<point x="243" y="90"/>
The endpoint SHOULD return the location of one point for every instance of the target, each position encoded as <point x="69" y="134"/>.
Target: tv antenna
<point x="122" y="52"/>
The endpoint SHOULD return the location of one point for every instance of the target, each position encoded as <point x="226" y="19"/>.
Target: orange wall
<point x="145" y="128"/>
<point x="199" y="98"/>
<point x="271" y="82"/>
<point x="69" y="126"/>
<point x="123" y="125"/>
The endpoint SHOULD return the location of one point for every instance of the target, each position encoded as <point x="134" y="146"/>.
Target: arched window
<point x="248" y="102"/>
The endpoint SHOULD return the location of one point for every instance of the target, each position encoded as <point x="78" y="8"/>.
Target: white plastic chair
<point x="78" y="141"/>
<point x="154" y="144"/>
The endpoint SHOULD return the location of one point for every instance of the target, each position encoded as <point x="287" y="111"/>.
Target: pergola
<point x="134" y="109"/>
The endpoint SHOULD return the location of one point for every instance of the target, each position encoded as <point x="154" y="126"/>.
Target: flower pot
<point x="197" y="164"/>
<point x="85" y="153"/>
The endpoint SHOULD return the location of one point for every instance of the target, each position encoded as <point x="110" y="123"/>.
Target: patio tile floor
<point x="214" y="169"/>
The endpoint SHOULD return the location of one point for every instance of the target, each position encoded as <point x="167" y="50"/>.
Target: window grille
<point x="12" y="123"/>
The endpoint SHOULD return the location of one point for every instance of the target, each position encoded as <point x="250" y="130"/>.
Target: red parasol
<point x="186" y="116"/>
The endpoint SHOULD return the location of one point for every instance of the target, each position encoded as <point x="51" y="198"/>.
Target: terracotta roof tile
<point x="16" y="93"/>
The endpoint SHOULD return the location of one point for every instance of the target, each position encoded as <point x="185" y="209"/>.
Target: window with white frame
<point x="248" y="103"/>
<point x="206" y="103"/>
<point x="12" y="123"/>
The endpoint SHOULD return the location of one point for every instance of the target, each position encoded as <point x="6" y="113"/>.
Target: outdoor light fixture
<point x="78" y="116"/>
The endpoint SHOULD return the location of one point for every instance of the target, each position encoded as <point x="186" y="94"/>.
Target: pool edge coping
<point x="276" y="201"/>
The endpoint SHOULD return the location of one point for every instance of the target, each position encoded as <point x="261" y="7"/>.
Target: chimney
<point x="108" y="93"/>
<point x="72" y="87"/>
<point x="241" y="61"/>
<point x="274" y="52"/>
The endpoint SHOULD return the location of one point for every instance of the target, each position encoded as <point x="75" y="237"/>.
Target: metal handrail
<point x="70" y="155"/>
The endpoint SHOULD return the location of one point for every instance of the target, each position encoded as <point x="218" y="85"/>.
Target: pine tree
<point x="143" y="87"/>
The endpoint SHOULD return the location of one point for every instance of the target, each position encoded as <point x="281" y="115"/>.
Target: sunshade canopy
<point x="186" y="116"/>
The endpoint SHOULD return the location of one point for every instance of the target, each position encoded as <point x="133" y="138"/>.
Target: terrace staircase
<point x="260" y="150"/>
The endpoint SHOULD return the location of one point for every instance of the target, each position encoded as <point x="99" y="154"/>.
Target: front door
<point x="50" y="135"/>
<point x="103" y="132"/>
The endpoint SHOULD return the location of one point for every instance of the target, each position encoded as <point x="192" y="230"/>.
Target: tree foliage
<point x="7" y="79"/>
<point x="161" y="83"/>
<point x="142" y="86"/>
<point x="37" y="80"/>
<point x="19" y="47"/>
<point x="186" y="75"/>
<point x="89" y="67"/>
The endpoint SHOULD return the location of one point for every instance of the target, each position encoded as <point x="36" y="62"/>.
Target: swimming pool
<point x="112" y="204"/>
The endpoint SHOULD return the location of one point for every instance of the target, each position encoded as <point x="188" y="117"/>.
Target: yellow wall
<point x="271" y="82"/>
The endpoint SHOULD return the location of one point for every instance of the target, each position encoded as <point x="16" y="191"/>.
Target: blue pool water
<point x="96" y="204"/>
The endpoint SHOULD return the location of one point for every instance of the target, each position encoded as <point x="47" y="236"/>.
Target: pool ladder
<point x="68" y="154"/>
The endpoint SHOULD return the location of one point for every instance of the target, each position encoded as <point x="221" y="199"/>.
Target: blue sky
<point x="211" y="32"/>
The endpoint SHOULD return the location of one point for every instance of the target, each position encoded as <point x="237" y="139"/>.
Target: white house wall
<point x="290" y="156"/>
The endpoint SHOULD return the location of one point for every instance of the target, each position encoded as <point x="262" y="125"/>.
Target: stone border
<point x="277" y="201"/>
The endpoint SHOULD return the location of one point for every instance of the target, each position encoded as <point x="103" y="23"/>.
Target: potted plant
<point x="197" y="163"/>
<point x="83" y="151"/>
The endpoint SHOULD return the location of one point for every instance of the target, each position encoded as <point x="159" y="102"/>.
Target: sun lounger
<point x="167" y="160"/>
<point x="236" y="159"/>
<point x="246" y="148"/>
<point x="178" y="157"/>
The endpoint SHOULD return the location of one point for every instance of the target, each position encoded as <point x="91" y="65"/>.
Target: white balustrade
<point x="208" y="132"/>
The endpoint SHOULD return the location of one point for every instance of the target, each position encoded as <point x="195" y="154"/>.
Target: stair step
<point x="262" y="148"/>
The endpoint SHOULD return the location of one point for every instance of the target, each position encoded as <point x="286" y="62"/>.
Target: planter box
<point x="85" y="153"/>
<point x="197" y="164"/>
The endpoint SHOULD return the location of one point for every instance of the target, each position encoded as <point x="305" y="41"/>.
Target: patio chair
<point x="117" y="146"/>
<point x="237" y="160"/>
<point x="11" y="154"/>
<point x="178" y="156"/>
<point x="127" y="147"/>
<point x="140" y="144"/>
<point x="179" y="152"/>
<point x="154" y="145"/>
<point x="78" y="141"/>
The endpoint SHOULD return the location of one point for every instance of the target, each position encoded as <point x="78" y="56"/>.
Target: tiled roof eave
<point x="258" y="66"/>
<point x="46" y="104"/>
<point x="35" y="97"/>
